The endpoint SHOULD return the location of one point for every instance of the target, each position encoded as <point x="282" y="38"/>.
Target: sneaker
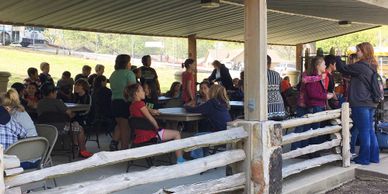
<point x="180" y="160"/>
<point x="85" y="154"/>
<point x="114" y="145"/>
<point x="354" y="155"/>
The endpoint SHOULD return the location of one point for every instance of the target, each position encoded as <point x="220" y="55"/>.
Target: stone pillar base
<point x="4" y="78"/>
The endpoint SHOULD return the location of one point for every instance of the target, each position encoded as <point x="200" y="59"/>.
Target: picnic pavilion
<point x="253" y="22"/>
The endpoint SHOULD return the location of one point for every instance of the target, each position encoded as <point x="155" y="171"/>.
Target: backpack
<point x="376" y="86"/>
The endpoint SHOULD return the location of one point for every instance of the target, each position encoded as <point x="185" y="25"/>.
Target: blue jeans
<point x="300" y="112"/>
<point x="319" y="139"/>
<point x="369" y="148"/>
<point x="353" y="140"/>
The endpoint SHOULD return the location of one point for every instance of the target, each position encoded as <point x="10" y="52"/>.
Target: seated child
<point x="33" y="77"/>
<point x="175" y="90"/>
<point x="65" y="87"/>
<point x="86" y="69"/>
<point x="82" y="96"/>
<point x="10" y="101"/>
<point x="139" y="109"/>
<point x="215" y="110"/>
<point x="50" y="104"/>
<point x="32" y="96"/>
<point x="99" y="71"/>
<point x="20" y="88"/>
<point x="10" y="130"/>
<point x="45" y="77"/>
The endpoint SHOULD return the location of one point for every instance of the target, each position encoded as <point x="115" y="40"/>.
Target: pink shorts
<point x="161" y="134"/>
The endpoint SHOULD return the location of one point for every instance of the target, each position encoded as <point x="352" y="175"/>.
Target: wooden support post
<point x="2" y="185"/>
<point x="298" y="55"/>
<point x="255" y="82"/>
<point x="192" y="44"/>
<point x="345" y="135"/>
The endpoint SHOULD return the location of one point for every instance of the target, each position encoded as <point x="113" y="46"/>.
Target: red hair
<point x="368" y="54"/>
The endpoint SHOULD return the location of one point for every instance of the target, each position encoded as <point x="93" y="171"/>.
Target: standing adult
<point x="361" y="102"/>
<point x="119" y="79"/>
<point x="188" y="81"/>
<point x="221" y="74"/>
<point x="149" y="75"/>
<point x="276" y="110"/>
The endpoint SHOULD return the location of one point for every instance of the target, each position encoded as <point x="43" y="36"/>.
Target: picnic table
<point x="236" y="104"/>
<point x="77" y="107"/>
<point x="178" y="114"/>
<point x="164" y="98"/>
<point x="175" y="115"/>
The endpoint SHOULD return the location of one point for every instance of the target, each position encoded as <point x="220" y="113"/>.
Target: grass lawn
<point x="18" y="60"/>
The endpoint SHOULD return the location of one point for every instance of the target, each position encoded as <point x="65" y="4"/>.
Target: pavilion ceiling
<point x="290" y="22"/>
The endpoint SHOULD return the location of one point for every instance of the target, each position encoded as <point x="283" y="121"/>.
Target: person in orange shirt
<point x="285" y="84"/>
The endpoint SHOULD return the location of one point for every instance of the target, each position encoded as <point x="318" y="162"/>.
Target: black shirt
<point x="80" y="76"/>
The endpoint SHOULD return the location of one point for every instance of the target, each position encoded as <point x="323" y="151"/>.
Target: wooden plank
<point x="298" y="56"/>
<point x="156" y="174"/>
<point x="109" y="158"/>
<point x="346" y="155"/>
<point x="255" y="60"/>
<point x="323" y="113"/>
<point x="13" y="171"/>
<point x="192" y="52"/>
<point x="294" y="137"/>
<point x="11" y="161"/>
<point x="308" y="120"/>
<point x="226" y="184"/>
<point x="338" y="121"/>
<point x="308" y="164"/>
<point x="311" y="149"/>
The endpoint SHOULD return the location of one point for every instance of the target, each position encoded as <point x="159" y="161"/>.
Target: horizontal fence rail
<point x="109" y="158"/>
<point x="156" y="174"/>
<point x="341" y="122"/>
<point x="311" y="118"/>
<point x="226" y="184"/>
<point x="295" y="137"/>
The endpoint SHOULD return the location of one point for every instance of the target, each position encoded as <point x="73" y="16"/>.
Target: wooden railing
<point x="254" y="159"/>
<point x="156" y="174"/>
<point x="340" y="140"/>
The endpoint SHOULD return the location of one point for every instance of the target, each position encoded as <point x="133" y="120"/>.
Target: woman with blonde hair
<point x="216" y="109"/>
<point x="10" y="101"/>
<point x="361" y="101"/>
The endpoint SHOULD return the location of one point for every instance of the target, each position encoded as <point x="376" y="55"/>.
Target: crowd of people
<point x="134" y="92"/>
<point x="317" y="92"/>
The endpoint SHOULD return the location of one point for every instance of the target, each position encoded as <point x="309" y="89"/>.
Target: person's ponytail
<point x="11" y="99"/>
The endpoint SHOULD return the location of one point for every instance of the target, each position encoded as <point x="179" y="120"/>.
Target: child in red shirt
<point x="140" y="110"/>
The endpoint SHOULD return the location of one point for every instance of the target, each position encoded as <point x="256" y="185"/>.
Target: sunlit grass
<point x="18" y="60"/>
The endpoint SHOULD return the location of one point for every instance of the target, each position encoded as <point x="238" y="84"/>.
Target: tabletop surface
<point x="236" y="103"/>
<point x="70" y="105"/>
<point x="162" y="98"/>
<point x="177" y="111"/>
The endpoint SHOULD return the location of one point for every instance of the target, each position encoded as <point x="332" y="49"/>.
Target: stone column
<point x="4" y="78"/>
